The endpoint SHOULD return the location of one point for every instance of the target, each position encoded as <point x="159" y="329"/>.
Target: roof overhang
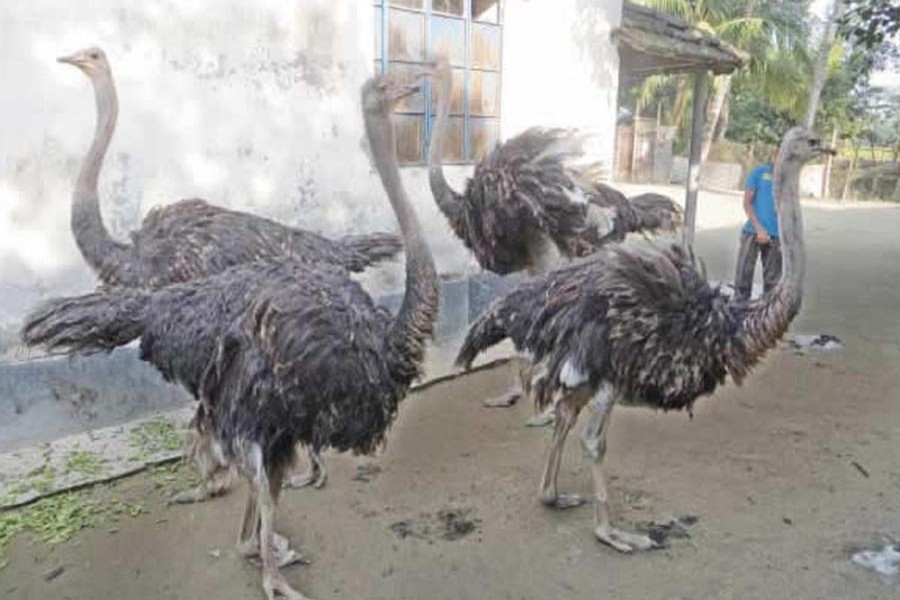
<point x="656" y="43"/>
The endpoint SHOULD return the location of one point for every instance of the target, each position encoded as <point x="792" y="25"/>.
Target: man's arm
<point x="762" y="236"/>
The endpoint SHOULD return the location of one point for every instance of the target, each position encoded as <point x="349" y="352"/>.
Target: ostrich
<point x="526" y="207"/>
<point x="299" y="354"/>
<point x="191" y="238"/>
<point x="643" y="328"/>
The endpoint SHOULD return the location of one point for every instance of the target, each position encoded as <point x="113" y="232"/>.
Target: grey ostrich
<point x="643" y="328"/>
<point x="299" y="354"/>
<point x="527" y="207"/>
<point x="191" y="238"/>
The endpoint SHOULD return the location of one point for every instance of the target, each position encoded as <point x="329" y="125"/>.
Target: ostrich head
<point x="801" y="145"/>
<point x="91" y="61"/>
<point x="381" y="95"/>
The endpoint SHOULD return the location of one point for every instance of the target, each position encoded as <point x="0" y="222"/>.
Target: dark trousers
<point x="749" y="251"/>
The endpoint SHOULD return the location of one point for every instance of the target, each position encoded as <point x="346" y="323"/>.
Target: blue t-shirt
<point x="760" y="182"/>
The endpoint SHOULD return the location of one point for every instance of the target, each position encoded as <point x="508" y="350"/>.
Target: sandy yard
<point x="786" y="476"/>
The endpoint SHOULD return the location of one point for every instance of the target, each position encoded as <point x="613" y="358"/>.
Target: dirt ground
<point x="787" y="477"/>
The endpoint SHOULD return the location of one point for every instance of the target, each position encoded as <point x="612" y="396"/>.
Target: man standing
<point x="759" y="237"/>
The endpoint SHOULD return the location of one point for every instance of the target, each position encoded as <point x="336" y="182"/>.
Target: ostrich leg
<point x="274" y="583"/>
<point x="518" y="386"/>
<point x="545" y="256"/>
<point x="566" y="411"/>
<point x="248" y="536"/>
<point x="316" y="476"/>
<point x="593" y="440"/>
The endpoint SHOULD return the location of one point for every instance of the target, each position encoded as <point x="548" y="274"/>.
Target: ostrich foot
<point x="504" y="400"/>
<point x="315" y="477"/>
<point x="276" y="587"/>
<point x="201" y="493"/>
<point x="281" y="548"/>
<point x="563" y="501"/>
<point x="542" y="420"/>
<point x="624" y="541"/>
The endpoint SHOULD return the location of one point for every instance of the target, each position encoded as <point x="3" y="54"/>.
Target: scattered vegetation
<point x="156" y="437"/>
<point x="55" y="519"/>
<point x="85" y="462"/>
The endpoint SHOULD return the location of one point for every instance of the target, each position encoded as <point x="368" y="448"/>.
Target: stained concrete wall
<point x="253" y="106"/>
<point x="561" y="69"/>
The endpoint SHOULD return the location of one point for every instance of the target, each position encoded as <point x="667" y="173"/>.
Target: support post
<point x="701" y="92"/>
<point x="826" y="175"/>
<point x="635" y="146"/>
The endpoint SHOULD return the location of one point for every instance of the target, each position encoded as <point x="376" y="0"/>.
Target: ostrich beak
<point x="408" y="89"/>
<point x="72" y="59"/>
<point x="828" y="150"/>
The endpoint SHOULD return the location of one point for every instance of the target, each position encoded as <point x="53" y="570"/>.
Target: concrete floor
<point x="788" y="476"/>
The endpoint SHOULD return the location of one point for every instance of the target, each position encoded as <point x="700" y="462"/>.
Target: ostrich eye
<point x="94" y="55"/>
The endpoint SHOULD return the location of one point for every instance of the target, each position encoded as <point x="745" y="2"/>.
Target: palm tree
<point x="770" y="32"/>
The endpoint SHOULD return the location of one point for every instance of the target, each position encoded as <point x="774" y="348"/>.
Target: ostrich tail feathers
<point x="591" y="174"/>
<point x="488" y="330"/>
<point x="555" y="144"/>
<point x="363" y="251"/>
<point x="87" y="324"/>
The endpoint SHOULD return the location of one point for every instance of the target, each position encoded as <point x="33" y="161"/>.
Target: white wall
<point x="560" y="68"/>
<point x="251" y="105"/>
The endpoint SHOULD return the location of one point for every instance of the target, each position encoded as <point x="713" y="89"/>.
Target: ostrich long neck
<point x="97" y="246"/>
<point x="768" y="319"/>
<point x="415" y="321"/>
<point x="447" y="200"/>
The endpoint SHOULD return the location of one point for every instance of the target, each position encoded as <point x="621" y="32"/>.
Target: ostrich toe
<point x="277" y="587"/>
<point x="285" y="556"/>
<point x="542" y="420"/>
<point x="314" y="477"/>
<point x="201" y="493"/>
<point x="504" y="400"/>
<point x="624" y="541"/>
<point x="564" y="501"/>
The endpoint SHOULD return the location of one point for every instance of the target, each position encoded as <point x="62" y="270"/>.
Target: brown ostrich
<point x="527" y="207"/>
<point x="279" y="354"/>
<point x="645" y="329"/>
<point x="191" y="238"/>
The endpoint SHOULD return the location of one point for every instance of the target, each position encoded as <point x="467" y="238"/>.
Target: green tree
<point x="770" y="32"/>
<point x="871" y="23"/>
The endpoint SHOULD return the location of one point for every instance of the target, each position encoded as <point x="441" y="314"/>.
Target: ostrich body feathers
<point x="525" y="188"/>
<point x="192" y="239"/>
<point x="646" y="322"/>
<point x="278" y="353"/>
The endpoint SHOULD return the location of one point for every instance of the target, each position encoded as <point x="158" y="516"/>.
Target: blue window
<point x="468" y="33"/>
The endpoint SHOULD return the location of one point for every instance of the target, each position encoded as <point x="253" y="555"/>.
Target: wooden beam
<point x="701" y="91"/>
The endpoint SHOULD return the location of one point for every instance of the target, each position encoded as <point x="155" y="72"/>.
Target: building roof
<point x="657" y="43"/>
